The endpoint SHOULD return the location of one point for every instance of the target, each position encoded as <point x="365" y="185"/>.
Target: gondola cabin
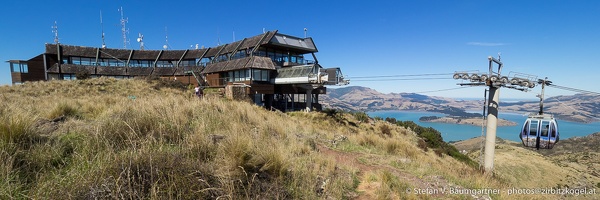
<point x="540" y="131"/>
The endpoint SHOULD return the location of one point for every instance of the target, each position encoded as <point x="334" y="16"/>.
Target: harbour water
<point x="455" y="132"/>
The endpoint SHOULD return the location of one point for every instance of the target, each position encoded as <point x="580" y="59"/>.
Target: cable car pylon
<point x="494" y="80"/>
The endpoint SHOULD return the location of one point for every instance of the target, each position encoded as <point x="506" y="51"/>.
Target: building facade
<point x="271" y="69"/>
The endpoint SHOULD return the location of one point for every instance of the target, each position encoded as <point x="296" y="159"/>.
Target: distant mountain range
<point x="579" y="108"/>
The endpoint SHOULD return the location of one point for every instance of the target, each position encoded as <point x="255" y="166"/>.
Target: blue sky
<point x="555" y="39"/>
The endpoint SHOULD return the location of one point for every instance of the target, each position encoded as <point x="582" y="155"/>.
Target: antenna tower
<point x="218" y="38"/>
<point x="166" y="46"/>
<point x="140" y="39"/>
<point x="305" y="30"/>
<point x="55" y="31"/>
<point x="102" y="27"/>
<point x="124" y="30"/>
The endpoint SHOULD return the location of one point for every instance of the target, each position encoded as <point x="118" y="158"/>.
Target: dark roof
<point x="255" y="62"/>
<point x="270" y="38"/>
<point x="143" y="55"/>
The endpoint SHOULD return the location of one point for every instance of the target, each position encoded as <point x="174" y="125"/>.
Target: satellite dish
<point x="165" y="46"/>
<point x="139" y="39"/>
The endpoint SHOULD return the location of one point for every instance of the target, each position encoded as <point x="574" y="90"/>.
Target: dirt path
<point x="367" y="189"/>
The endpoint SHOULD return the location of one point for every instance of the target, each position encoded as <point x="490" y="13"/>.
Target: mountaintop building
<point x="271" y="69"/>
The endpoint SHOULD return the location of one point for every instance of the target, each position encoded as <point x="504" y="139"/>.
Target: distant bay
<point x="455" y="132"/>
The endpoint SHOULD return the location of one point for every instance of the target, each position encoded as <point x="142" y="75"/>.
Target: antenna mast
<point x="140" y="39"/>
<point x="102" y="27"/>
<point x="166" y="46"/>
<point x="55" y="31"/>
<point x="123" y="28"/>
<point x="305" y="30"/>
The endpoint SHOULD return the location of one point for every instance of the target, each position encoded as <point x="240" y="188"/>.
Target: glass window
<point x="261" y="53"/>
<point x="545" y="128"/>
<point x="248" y="75"/>
<point x="271" y="55"/>
<point x="265" y="75"/>
<point x="524" y="132"/>
<point x="187" y="63"/>
<point x="533" y="127"/>
<point x="24" y="68"/>
<point x="164" y="63"/>
<point x="86" y="61"/>
<point x="145" y="63"/>
<point x="103" y="62"/>
<point x="230" y="76"/>
<point x="256" y="75"/>
<point x="65" y="60"/>
<point x="76" y="60"/>
<point x="69" y="77"/>
<point x="552" y="130"/>
<point x="205" y="61"/>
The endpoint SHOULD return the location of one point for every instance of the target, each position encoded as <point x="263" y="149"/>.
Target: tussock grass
<point x="138" y="139"/>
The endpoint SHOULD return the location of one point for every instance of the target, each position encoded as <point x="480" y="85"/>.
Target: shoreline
<point x="464" y="121"/>
<point x="556" y="116"/>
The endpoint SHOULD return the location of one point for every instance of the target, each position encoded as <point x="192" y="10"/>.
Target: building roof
<point x="270" y="38"/>
<point x="255" y="62"/>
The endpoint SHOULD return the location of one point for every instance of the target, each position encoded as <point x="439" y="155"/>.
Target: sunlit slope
<point x="139" y="139"/>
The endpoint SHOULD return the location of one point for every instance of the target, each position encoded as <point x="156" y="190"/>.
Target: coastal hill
<point x="358" y="98"/>
<point x="578" y="108"/>
<point x="104" y="138"/>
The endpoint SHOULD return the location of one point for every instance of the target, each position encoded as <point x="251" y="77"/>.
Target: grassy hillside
<point x="565" y="166"/>
<point x="136" y="139"/>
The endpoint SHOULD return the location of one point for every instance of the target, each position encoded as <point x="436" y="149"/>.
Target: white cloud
<point x="486" y="44"/>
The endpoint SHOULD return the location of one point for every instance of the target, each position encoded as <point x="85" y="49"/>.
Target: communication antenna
<point x="124" y="30"/>
<point x="102" y="27"/>
<point x="305" y="30"/>
<point x="166" y="46"/>
<point x="140" y="39"/>
<point x="233" y="36"/>
<point x="218" y="37"/>
<point x="55" y="31"/>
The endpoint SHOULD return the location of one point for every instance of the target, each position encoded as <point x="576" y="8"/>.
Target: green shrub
<point x="361" y="116"/>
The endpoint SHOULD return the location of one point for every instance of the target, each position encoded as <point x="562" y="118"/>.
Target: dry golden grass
<point x="136" y="139"/>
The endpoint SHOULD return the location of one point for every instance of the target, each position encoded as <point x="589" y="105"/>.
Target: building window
<point x="260" y="75"/>
<point x="19" y="67"/>
<point x="187" y="63"/>
<point x="239" y="54"/>
<point x="222" y="58"/>
<point x="140" y="63"/>
<point x="69" y="77"/>
<point x="239" y="75"/>
<point x="164" y="63"/>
